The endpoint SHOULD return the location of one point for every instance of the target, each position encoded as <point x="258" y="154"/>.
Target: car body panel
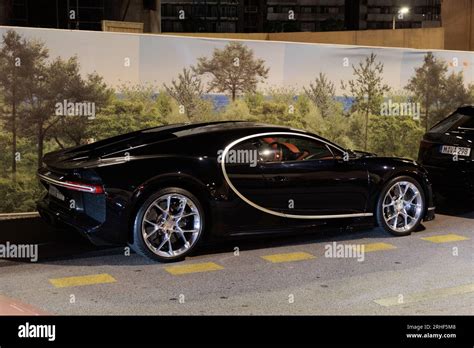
<point x="450" y="174"/>
<point x="131" y="167"/>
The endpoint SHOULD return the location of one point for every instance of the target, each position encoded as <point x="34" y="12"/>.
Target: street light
<point x="403" y="11"/>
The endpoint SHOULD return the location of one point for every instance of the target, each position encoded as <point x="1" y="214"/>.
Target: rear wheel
<point x="400" y="206"/>
<point x="168" y="225"/>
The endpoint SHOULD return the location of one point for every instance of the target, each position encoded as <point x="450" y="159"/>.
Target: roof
<point x="466" y="110"/>
<point x="181" y="130"/>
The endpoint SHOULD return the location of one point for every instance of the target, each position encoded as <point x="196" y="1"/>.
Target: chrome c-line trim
<point x="269" y="211"/>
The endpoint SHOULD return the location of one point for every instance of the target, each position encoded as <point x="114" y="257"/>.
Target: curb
<point x="14" y="216"/>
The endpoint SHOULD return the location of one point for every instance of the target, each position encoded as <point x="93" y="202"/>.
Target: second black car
<point x="447" y="152"/>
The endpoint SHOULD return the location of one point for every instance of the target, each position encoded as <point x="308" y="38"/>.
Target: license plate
<point x="456" y="150"/>
<point x="53" y="191"/>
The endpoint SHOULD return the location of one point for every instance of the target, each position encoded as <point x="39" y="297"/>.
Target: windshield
<point x="454" y="122"/>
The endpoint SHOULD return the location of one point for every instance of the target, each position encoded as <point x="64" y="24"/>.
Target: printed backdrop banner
<point x="62" y="88"/>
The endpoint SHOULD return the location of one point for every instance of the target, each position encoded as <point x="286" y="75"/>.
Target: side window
<point x="292" y="148"/>
<point x="243" y="154"/>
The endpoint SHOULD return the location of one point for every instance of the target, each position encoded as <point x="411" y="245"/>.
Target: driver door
<point x="307" y="176"/>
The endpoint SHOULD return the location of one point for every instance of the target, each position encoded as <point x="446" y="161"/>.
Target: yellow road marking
<point x="378" y="247"/>
<point x="445" y="238"/>
<point x="289" y="257"/>
<point x="195" y="268"/>
<point x="82" y="280"/>
<point x="425" y="295"/>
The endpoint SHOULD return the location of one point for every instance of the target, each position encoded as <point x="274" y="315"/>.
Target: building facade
<point x="333" y="15"/>
<point x="217" y="16"/>
<point x="76" y="14"/>
<point x="225" y="16"/>
<point x="378" y="14"/>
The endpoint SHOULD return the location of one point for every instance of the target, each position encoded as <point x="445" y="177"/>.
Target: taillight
<point x="425" y="144"/>
<point x="76" y="186"/>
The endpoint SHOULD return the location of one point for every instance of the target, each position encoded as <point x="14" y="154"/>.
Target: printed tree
<point x="367" y="89"/>
<point x="428" y="84"/>
<point x="61" y="80"/>
<point x="21" y="63"/>
<point x="233" y="69"/>
<point x="322" y="93"/>
<point x="31" y="86"/>
<point x="187" y="90"/>
<point x="438" y="92"/>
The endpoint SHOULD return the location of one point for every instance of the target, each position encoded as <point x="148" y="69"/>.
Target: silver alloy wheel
<point x="402" y="206"/>
<point x="171" y="225"/>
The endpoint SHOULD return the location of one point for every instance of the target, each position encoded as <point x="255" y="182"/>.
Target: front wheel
<point x="401" y="206"/>
<point x="168" y="225"/>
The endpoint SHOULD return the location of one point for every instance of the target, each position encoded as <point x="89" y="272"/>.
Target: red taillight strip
<point x="95" y="189"/>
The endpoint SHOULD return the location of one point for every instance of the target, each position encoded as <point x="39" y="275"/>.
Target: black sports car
<point x="447" y="152"/>
<point x="164" y="189"/>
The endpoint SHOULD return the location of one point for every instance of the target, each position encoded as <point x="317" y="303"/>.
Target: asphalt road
<point x="429" y="272"/>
